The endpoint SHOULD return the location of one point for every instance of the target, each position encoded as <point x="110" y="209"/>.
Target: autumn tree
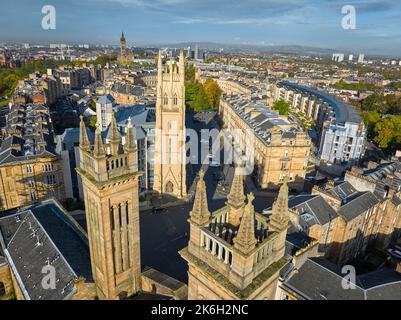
<point x="213" y="93"/>
<point x="388" y="132"/>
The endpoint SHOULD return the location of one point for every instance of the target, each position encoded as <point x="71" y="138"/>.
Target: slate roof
<point x="28" y="134"/>
<point x="360" y="203"/>
<point x="106" y="99"/>
<point x="318" y="279"/>
<point x="313" y="209"/>
<point x="343" y="190"/>
<point x="44" y="235"/>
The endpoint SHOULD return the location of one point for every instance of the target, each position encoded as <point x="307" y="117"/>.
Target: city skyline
<point x="265" y="23"/>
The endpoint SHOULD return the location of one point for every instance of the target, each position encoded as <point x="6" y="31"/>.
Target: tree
<point x="92" y="105"/>
<point x="190" y="73"/>
<point x="370" y="118"/>
<point x="213" y="93"/>
<point x="388" y="132"/>
<point x="282" y="107"/>
<point x="92" y="123"/>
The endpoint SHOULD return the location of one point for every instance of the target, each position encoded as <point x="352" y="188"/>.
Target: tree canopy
<point x="282" y="107"/>
<point x="200" y="97"/>
<point x="388" y="133"/>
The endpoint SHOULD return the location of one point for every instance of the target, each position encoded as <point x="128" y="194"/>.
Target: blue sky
<point x="270" y="22"/>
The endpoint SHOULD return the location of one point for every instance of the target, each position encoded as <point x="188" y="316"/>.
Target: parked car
<point x="156" y="210"/>
<point x="214" y="163"/>
<point x="394" y="253"/>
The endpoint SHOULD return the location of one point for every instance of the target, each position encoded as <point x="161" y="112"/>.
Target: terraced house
<point x="30" y="170"/>
<point x="340" y="129"/>
<point x="280" y="150"/>
<point x="352" y="216"/>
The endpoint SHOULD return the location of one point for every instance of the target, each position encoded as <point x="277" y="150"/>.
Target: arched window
<point x="165" y="99"/>
<point x="169" y="187"/>
<point x="2" y="289"/>
<point x="175" y="100"/>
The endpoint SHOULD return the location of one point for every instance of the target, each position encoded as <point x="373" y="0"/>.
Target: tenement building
<point x="348" y="219"/>
<point x="109" y="174"/>
<point x="170" y="154"/>
<point x="341" y="132"/>
<point x="279" y="149"/>
<point x="235" y="253"/>
<point x="30" y="169"/>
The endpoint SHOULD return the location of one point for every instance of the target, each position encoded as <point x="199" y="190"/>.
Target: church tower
<point x="235" y="253"/>
<point x="170" y="155"/>
<point x="109" y="175"/>
<point x="123" y="48"/>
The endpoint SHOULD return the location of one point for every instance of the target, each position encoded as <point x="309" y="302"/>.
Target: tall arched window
<point x="165" y="99"/>
<point x="175" y="100"/>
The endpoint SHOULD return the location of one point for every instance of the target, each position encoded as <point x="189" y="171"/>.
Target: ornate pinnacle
<point x="83" y="135"/>
<point x="200" y="213"/>
<point x="98" y="147"/>
<point x="245" y="240"/>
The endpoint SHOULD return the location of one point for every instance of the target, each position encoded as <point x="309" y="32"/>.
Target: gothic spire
<point x="98" y="147"/>
<point x="279" y="218"/>
<point x="130" y="137"/>
<point x="200" y="213"/>
<point x="245" y="240"/>
<point x="83" y="135"/>
<point x="236" y="196"/>
<point x="114" y="136"/>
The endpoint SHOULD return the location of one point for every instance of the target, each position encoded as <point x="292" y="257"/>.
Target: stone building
<point x="123" y="49"/>
<point x="278" y="148"/>
<point x="30" y="169"/>
<point x="349" y="218"/>
<point x="235" y="253"/>
<point x="170" y="156"/>
<point x="34" y="241"/>
<point x="109" y="176"/>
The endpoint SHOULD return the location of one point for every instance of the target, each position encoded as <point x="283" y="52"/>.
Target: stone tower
<point x="110" y="181"/>
<point x="230" y="261"/>
<point x="170" y="155"/>
<point x="123" y="48"/>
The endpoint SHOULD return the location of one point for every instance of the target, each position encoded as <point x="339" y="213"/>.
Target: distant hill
<point x="232" y="48"/>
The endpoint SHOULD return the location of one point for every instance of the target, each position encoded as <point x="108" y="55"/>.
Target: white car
<point x="214" y="163"/>
<point x="204" y="141"/>
<point x="266" y="211"/>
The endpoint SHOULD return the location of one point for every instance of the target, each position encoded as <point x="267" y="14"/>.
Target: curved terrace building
<point x="341" y="132"/>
